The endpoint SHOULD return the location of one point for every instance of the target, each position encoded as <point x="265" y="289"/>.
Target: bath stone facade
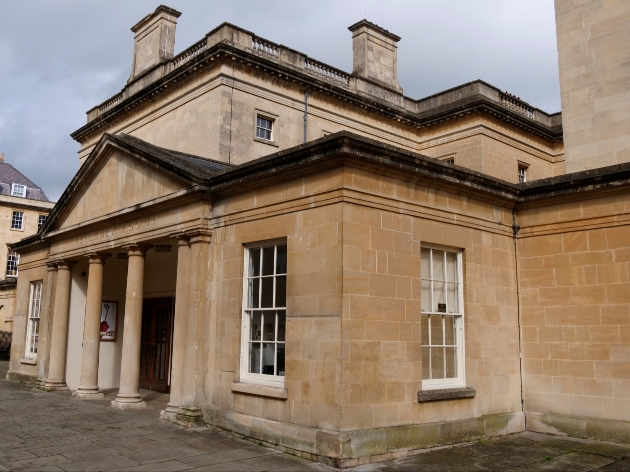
<point x="23" y="208"/>
<point x="342" y="297"/>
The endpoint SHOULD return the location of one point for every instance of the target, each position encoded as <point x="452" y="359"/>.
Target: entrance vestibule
<point x="156" y="344"/>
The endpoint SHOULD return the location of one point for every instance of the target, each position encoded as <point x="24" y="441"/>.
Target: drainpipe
<point x="305" y="113"/>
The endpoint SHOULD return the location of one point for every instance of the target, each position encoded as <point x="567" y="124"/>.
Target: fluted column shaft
<point x="128" y="394"/>
<point x="88" y="386"/>
<point x="59" y="341"/>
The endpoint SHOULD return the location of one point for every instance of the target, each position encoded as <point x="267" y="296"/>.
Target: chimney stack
<point x="374" y="54"/>
<point x="1" y="157"/>
<point x="154" y="40"/>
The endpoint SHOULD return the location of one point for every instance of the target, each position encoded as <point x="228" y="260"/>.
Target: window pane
<point x="267" y="264"/>
<point x="268" y="358"/>
<point x="281" y="360"/>
<point x="451" y="267"/>
<point x="426" y="363"/>
<point x="453" y="302"/>
<point x="437" y="362"/>
<point x="426" y="295"/>
<point x="266" y="298"/>
<point x="425" y="269"/>
<point x="439" y="297"/>
<point x="438" y="265"/>
<point x="254" y="358"/>
<point x="451" y="362"/>
<point x="437" y="332"/>
<point x="255" y="326"/>
<point x="281" y="291"/>
<point x="281" y="260"/>
<point x="254" y="262"/>
<point x="269" y="326"/>
<point x="425" y="329"/>
<point x="252" y="293"/>
<point x="282" y="325"/>
<point x="449" y="330"/>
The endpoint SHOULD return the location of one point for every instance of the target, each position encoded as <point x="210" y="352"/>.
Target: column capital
<point x="64" y="264"/>
<point x="200" y="235"/>
<point x="52" y="266"/>
<point x="137" y="249"/>
<point x="97" y="257"/>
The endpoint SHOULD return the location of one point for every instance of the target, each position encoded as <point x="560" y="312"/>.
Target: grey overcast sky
<point x="59" y="58"/>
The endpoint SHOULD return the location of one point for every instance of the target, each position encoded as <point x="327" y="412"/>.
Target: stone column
<point x="88" y="386"/>
<point x="179" y="329"/>
<point x="43" y="345"/>
<point x="128" y="394"/>
<point x="197" y="328"/>
<point x="59" y="340"/>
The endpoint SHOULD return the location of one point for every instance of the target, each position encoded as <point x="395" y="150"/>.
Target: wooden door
<point x="155" y="347"/>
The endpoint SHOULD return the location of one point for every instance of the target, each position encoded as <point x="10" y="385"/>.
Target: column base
<point x="88" y="393"/>
<point x="191" y="417"/>
<point x="129" y="402"/>
<point x="53" y="385"/>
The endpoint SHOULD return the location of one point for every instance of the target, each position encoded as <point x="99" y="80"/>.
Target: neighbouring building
<point x="23" y="209"/>
<point x="309" y="258"/>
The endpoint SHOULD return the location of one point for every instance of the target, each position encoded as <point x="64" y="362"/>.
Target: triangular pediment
<point x="121" y="181"/>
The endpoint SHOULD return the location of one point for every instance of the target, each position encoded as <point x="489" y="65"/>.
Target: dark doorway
<point x="155" y="347"/>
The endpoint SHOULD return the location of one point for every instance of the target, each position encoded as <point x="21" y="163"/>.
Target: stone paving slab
<point x="55" y="432"/>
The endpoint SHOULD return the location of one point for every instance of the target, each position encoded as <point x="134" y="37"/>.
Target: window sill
<point x="445" y="394"/>
<point x="260" y="390"/>
<point x="8" y="320"/>
<point x="266" y="141"/>
<point x="26" y="360"/>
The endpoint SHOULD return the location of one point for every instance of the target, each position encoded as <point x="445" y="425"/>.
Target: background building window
<point x="522" y="174"/>
<point x="264" y="316"/>
<point x="34" y="310"/>
<point x="264" y="128"/>
<point x="18" y="190"/>
<point x="442" y="323"/>
<point x="40" y="221"/>
<point x="17" y="220"/>
<point x="13" y="258"/>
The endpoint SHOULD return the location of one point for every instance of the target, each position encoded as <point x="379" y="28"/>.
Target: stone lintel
<point x="446" y="394"/>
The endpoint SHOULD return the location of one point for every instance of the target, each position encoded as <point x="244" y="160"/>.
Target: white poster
<point x="109" y="319"/>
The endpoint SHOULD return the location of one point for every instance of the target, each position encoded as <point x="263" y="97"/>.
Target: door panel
<point x="155" y="348"/>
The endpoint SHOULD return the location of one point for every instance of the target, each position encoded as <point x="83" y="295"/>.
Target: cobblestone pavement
<point x="54" y="432"/>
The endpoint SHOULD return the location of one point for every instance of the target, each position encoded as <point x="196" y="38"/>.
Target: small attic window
<point x="18" y="190"/>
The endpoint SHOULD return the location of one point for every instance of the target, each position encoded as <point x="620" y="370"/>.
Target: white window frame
<point x="40" y="221"/>
<point x="21" y="228"/>
<point x="18" y="190"/>
<point x="522" y="172"/>
<point x="460" y="380"/>
<point x="260" y="116"/>
<point x="34" y="316"/>
<point x="17" y="262"/>
<point x="245" y="375"/>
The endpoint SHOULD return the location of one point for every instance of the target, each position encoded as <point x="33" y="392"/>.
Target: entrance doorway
<point x="155" y="347"/>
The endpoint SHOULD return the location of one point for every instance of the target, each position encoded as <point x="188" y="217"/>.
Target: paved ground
<point x="52" y="431"/>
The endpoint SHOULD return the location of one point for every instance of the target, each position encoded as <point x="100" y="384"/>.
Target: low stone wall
<point x="579" y="427"/>
<point x="353" y="448"/>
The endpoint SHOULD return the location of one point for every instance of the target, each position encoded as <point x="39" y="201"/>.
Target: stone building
<point x="23" y="209"/>
<point x="308" y="257"/>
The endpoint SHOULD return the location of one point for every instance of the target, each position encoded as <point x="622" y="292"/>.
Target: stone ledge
<point x="446" y="394"/>
<point x="26" y="360"/>
<point x="260" y="390"/>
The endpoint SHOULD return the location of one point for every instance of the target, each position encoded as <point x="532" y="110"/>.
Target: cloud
<point x="59" y="59"/>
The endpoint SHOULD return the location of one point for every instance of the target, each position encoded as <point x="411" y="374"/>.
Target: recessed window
<point x="17" y="220"/>
<point x="264" y="314"/>
<point x="34" y="311"/>
<point x="522" y="174"/>
<point x="264" y="128"/>
<point x="450" y="161"/>
<point x="442" y="318"/>
<point x="40" y="221"/>
<point x="13" y="258"/>
<point x="18" y="190"/>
